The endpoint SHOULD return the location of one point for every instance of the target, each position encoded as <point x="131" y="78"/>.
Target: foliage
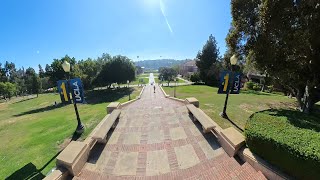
<point x="195" y="77"/>
<point x="33" y="82"/>
<point x="139" y="70"/>
<point x="281" y="39"/>
<point x="287" y="139"/>
<point x="167" y="74"/>
<point x="7" y="89"/>
<point x="117" y="70"/>
<point x="249" y="85"/>
<point x="208" y="60"/>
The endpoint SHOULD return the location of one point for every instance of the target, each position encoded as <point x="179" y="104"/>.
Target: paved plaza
<point x="156" y="139"/>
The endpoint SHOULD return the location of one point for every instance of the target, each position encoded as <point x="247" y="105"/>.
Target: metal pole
<point x="129" y="92"/>
<point x="223" y="114"/>
<point x="80" y="127"/>
<point x="175" y="89"/>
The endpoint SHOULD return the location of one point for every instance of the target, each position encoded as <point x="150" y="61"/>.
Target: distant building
<point x="188" y="68"/>
<point x="256" y="77"/>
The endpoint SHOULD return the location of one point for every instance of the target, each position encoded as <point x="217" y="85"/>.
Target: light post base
<point x="224" y="115"/>
<point x="80" y="129"/>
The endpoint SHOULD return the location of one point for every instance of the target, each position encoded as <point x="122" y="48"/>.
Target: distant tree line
<point x="102" y="71"/>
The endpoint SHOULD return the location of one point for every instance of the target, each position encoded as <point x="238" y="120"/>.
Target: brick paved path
<point x="156" y="139"/>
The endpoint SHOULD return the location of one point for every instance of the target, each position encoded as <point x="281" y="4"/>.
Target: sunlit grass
<point x="32" y="129"/>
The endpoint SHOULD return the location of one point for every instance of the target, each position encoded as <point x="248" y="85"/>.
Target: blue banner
<point x="77" y="91"/>
<point x="229" y="82"/>
<point x="224" y="82"/>
<point x="236" y="83"/>
<point x="63" y="90"/>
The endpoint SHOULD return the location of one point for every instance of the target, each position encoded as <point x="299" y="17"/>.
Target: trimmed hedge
<point x="290" y="140"/>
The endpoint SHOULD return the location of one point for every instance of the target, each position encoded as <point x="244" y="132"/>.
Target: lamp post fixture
<point x="233" y="61"/>
<point x="175" y="80"/>
<point x="161" y="80"/>
<point x="80" y="127"/>
<point x="128" y="89"/>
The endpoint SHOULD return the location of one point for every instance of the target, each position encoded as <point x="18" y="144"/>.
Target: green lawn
<point x="240" y="106"/>
<point x="32" y="130"/>
<point x="145" y="80"/>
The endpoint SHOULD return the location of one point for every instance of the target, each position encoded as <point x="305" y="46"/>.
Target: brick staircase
<point x="229" y="168"/>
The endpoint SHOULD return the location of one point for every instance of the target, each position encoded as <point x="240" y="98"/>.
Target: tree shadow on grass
<point x="43" y="109"/>
<point x="30" y="171"/>
<point x="107" y="95"/>
<point x="23" y="100"/>
<point x="92" y="97"/>
<point x="298" y="119"/>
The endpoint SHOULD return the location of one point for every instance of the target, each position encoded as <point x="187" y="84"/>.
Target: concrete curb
<point x="164" y="93"/>
<point x="261" y="165"/>
<point x="141" y="92"/>
<point x="133" y="100"/>
<point x="177" y="99"/>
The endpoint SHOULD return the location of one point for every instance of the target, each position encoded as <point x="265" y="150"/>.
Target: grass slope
<point x="32" y="130"/>
<point x="240" y="106"/>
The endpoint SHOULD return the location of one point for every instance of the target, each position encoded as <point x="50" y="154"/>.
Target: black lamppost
<point x="80" y="126"/>
<point x="233" y="61"/>
<point x="175" y="80"/>
<point x="128" y="89"/>
<point x="161" y="80"/>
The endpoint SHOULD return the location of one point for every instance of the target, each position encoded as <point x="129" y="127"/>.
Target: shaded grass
<point x="33" y="131"/>
<point x="240" y="106"/>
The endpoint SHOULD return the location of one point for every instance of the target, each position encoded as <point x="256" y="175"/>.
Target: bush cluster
<point x="289" y="140"/>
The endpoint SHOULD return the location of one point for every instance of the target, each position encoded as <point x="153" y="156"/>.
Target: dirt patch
<point x="246" y="107"/>
<point x="282" y="105"/>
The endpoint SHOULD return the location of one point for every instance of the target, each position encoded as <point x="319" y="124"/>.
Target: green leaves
<point x="280" y="138"/>
<point x="280" y="37"/>
<point x="207" y="59"/>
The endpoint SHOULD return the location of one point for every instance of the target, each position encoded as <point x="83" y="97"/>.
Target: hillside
<point x="156" y="64"/>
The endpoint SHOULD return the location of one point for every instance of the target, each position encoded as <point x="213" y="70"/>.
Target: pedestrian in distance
<point x="154" y="89"/>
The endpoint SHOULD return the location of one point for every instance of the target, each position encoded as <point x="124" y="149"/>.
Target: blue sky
<point x="34" y="32"/>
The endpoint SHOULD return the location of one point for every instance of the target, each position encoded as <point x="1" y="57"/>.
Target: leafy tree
<point x="207" y="59"/>
<point x="55" y="72"/>
<point x="281" y="37"/>
<point x="195" y="77"/>
<point x="168" y="74"/>
<point x="117" y="70"/>
<point x="89" y="71"/>
<point x="41" y="71"/>
<point x="7" y="89"/>
<point x="139" y="70"/>
<point x="32" y="82"/>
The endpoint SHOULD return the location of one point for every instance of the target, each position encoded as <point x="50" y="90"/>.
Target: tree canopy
<point x="208" y="61"/>
<point x="168" y="74"/>
<point x="281" y="39"/>
<point x="118" y="69"/>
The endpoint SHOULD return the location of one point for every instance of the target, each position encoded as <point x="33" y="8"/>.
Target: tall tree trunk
<point x="305" y="99"/>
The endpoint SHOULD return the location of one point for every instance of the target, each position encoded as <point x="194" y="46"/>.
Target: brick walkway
<point x="156" y="139"/>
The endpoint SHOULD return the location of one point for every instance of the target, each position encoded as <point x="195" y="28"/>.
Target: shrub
<point x="195" y="77"/>
<point x="288" y="139"/>
<point x="250" y="85"/>
<point x="270" y="89"/>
